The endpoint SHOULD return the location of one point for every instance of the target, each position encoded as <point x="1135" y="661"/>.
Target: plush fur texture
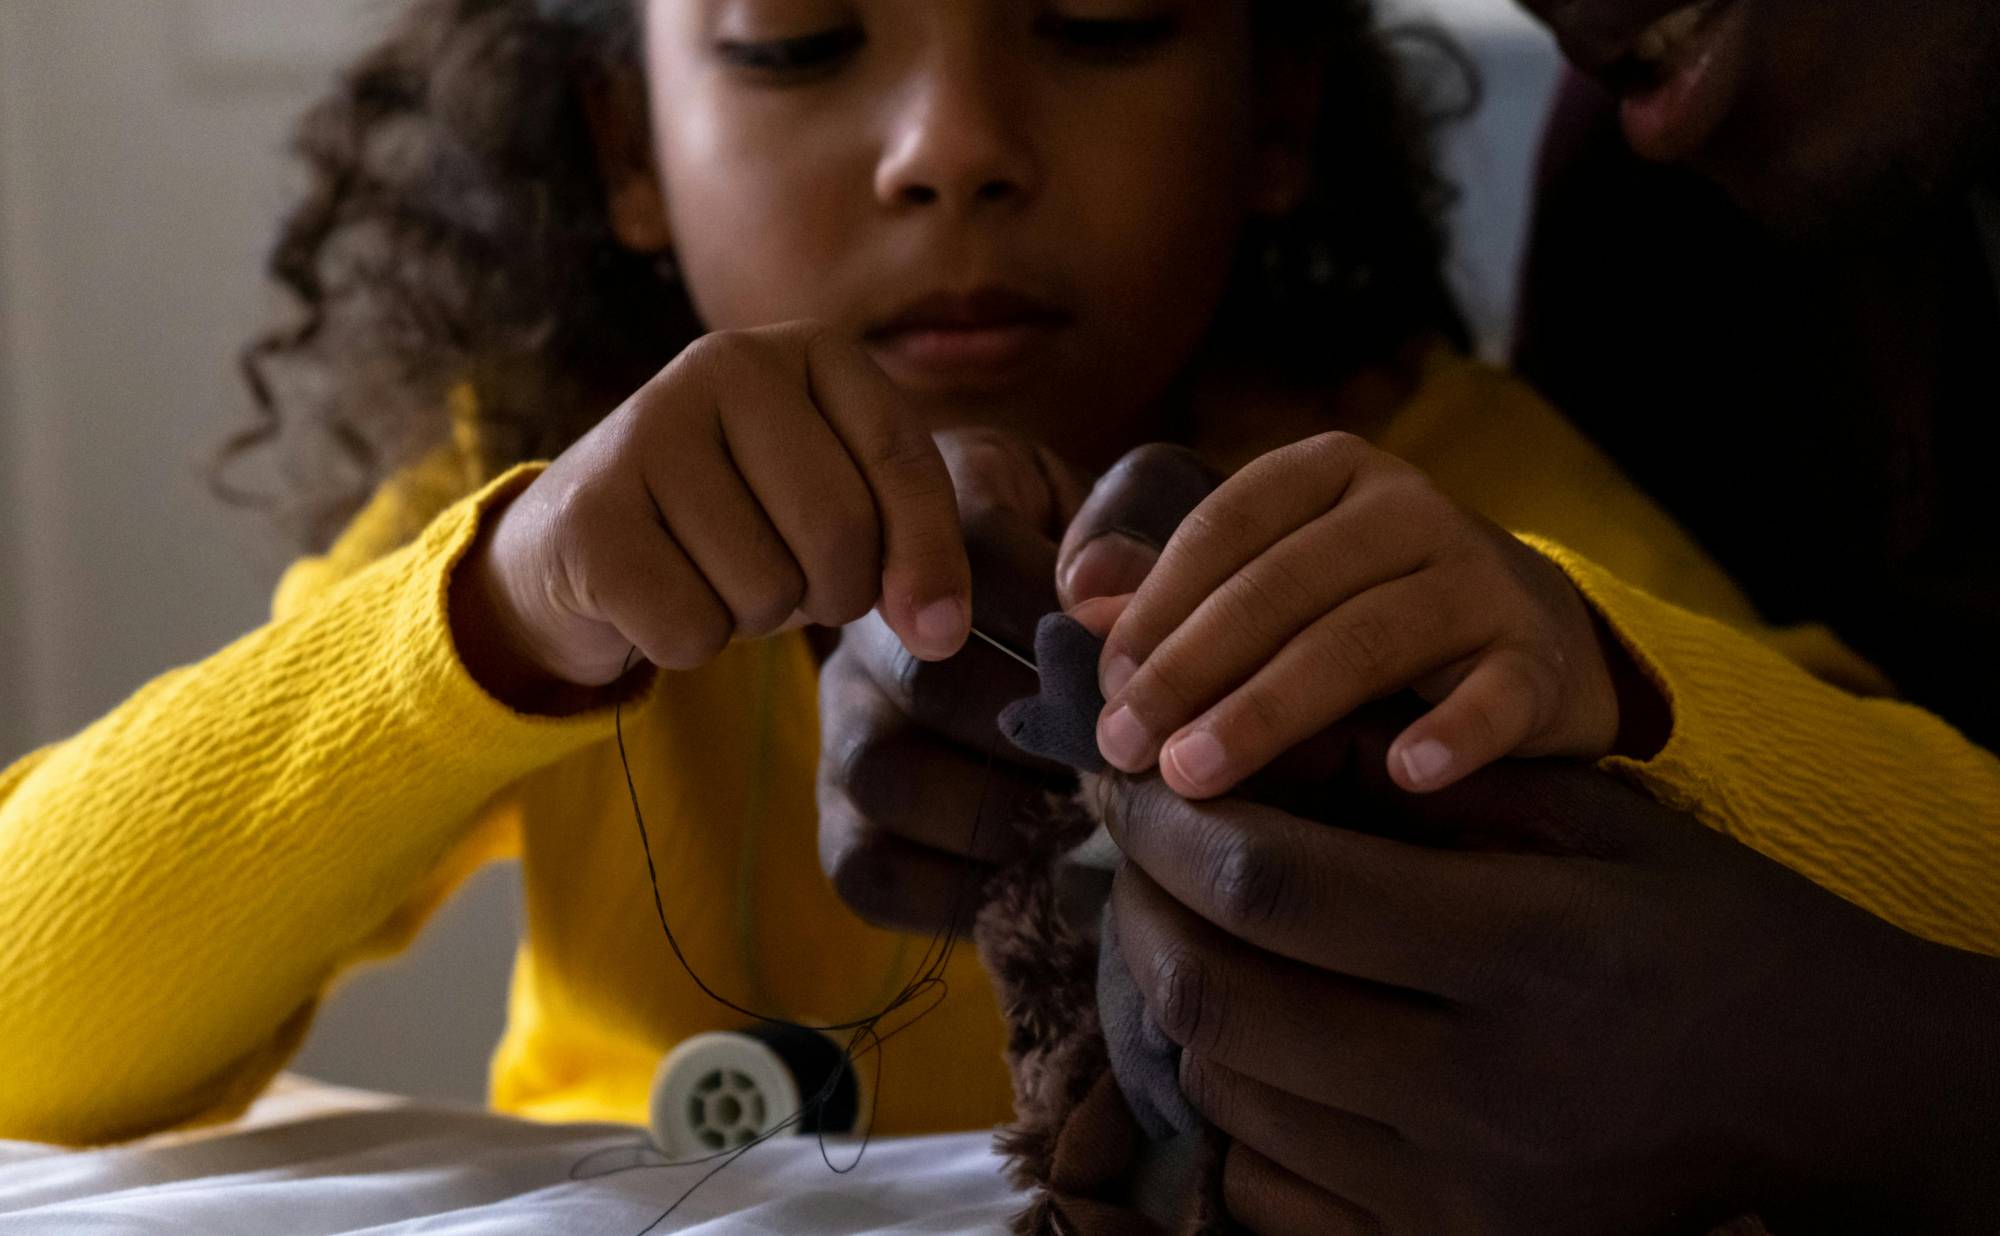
<point x="1074" y="1141"/>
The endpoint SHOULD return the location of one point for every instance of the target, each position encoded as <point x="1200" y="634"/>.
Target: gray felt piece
<point x="1145" y="1061"/>
<point x="1061" y="723"/>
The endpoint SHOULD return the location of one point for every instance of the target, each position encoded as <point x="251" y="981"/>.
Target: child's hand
<point x="765" y="479"/>
<point x="920" y="797"/>
<point x="1329" y="574"/>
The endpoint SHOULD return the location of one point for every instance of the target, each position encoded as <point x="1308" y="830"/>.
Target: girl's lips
<point x="1692" y="88"/>
<point x="951" y="342"/>
<point x="954" y="355"/>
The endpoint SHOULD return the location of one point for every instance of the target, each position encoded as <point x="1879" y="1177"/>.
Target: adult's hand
<point x="911" y="755"/>
<point x="1542" y="1003"/>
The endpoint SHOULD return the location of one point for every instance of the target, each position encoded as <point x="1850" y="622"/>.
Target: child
<point x="1093" y="227"/>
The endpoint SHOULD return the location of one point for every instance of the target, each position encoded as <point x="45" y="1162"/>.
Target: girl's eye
<point x="1107" y="38"/>
<point x="796" y="57"/>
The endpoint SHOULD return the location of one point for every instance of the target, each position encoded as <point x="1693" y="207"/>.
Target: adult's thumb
<point x="1117" y="535"/>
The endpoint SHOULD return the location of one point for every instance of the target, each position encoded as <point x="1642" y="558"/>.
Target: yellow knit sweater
<point x="185" y="879"/>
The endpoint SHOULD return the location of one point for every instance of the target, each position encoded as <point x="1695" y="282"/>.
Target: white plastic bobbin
<point x="717" y="1092"/>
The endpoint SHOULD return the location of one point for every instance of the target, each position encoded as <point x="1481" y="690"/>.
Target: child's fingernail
<point x="1123" y="740"/>
<point x="1198" y="758"/>
<point x="1117" y="672"/>
<point x="941" y="626"/>
<point x="1425" y="763"/>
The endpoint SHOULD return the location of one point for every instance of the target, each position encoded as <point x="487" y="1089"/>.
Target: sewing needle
<point x="1005" y="649"/>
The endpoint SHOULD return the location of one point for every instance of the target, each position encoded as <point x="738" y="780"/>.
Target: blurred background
<point x="142" y="171"/>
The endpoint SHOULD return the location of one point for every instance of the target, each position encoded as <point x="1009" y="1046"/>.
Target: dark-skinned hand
<point x="1541" y="1003"/>
<point x="910" y="750"/>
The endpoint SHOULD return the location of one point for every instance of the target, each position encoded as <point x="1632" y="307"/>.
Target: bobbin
<point x="720" y="1091"/>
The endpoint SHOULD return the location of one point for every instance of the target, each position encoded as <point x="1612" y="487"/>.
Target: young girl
<point x="1091" y="223"/>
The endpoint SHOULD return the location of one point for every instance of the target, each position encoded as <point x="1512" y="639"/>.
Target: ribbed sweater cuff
<point x="441" y="697"/>
<point x="1876" y="800"/>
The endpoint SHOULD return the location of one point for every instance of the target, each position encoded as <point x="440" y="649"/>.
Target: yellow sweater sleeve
<point x="184" y="877"/>
<point x="1876" y="800"/>
<point x="1780" y="737"/>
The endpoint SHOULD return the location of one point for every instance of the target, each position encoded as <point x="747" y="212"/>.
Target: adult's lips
<point x="1676" y="66"/>
<point x="1685" y="73"/>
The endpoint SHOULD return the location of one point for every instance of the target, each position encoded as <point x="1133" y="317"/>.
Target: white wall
<point x="1491" y="159"/>
<point x="14" y="725"/>
<point x="141" y="190"/>
<point x="141" y="173"/>
<point x="142" y="170"/>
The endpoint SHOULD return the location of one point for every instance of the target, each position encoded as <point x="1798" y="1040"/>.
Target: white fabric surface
<point x="312" y="1160"/>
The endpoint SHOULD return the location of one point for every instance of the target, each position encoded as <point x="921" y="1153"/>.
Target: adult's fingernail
<point x="1198" y="759"/>
<point x="1425" y="763"/>
<point x="1098" y="613"/>
<point x="942" y="626"/>
<point x="1117" y="672"/>
<point x="1110" y="565"/>
<point x="1123" y="740"/>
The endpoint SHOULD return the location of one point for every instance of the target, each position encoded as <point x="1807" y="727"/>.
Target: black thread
<point x="928" y="979"/>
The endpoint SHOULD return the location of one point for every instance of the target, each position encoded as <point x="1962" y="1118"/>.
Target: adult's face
<point x="1813" y="113"/>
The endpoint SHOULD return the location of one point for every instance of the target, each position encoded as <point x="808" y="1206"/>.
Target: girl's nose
<point x="953" y="143"/>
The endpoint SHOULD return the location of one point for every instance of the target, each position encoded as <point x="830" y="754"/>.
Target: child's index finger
<point x="926" y="594"/>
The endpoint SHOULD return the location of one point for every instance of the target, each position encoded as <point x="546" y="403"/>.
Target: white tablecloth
<point x="312" y="1160"/>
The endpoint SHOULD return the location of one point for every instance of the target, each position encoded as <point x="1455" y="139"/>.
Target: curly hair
<point x="454" y="231"/>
